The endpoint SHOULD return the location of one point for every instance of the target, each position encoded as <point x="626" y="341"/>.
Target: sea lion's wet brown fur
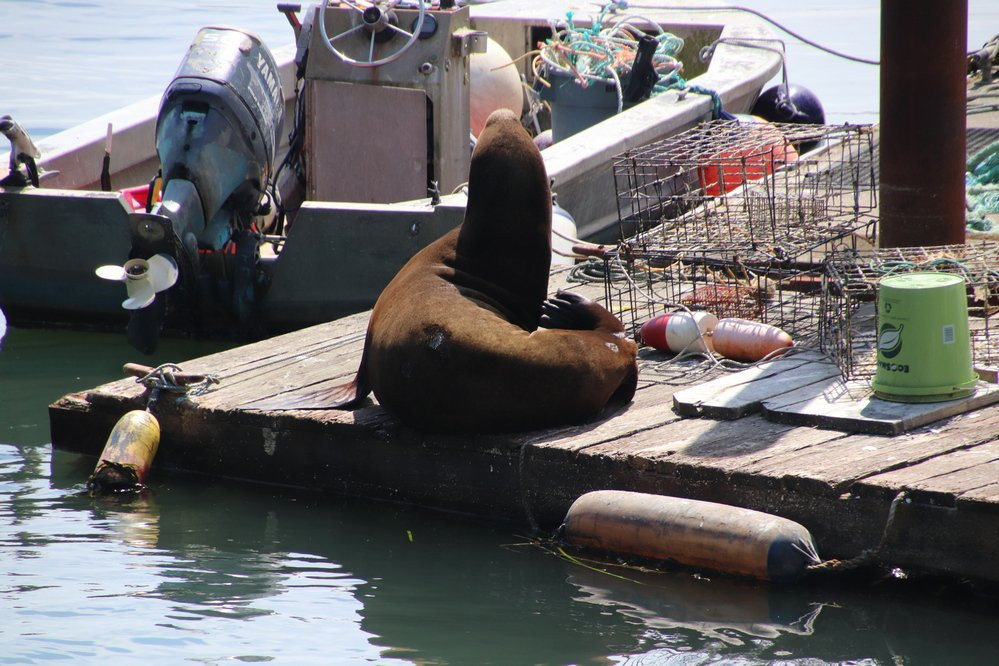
<point x="453" y="343"/>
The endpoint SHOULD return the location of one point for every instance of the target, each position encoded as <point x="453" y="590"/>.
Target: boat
<point x="265" y="191"/>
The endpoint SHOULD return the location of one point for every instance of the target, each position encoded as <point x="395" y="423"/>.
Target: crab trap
<point x="763" y="190"/>
<point x="735" y="218"/>
<point x="642" y="282"/>
<point x="848" y="322"/>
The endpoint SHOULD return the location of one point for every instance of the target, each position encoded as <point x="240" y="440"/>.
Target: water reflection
<point x="729" y="611"/>
<point x="205" y="571"/>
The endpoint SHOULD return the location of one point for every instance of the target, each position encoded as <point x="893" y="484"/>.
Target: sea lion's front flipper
<point x="342" y="396"/>
<point x="570" y="311"/>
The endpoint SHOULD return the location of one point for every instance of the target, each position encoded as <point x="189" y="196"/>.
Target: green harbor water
<point x="196" y="570"/>
<point x="199" y="570"/>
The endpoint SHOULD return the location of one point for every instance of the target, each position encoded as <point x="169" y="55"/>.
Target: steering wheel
<point x="375" y="19"/>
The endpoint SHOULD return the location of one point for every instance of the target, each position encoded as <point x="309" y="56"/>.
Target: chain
<point x="163" y="378"/>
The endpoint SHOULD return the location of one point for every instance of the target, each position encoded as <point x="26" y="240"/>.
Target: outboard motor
<point x="216" y="137"/>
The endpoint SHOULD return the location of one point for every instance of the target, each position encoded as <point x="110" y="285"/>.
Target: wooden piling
<point x="923" y="106"/>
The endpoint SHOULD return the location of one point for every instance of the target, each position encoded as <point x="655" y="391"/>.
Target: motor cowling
<point x="218" y="128"/>
<point x="217" y="133"/>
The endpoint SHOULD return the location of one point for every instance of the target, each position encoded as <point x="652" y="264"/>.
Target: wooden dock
<point x="926" y="499"/>
<point x="918" y="485"/>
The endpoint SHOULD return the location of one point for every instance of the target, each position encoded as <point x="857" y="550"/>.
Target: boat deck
<point x="926" y="499"/>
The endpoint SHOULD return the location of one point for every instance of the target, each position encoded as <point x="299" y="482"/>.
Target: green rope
<point x="982" y="187"/>
<point x="716" y="103"/>
<point x="593" y="53"/>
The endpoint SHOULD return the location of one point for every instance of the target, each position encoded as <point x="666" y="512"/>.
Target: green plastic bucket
<point x="924" y="347"/>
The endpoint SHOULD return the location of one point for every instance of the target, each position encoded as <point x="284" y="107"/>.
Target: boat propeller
<point x="143" y="278"/>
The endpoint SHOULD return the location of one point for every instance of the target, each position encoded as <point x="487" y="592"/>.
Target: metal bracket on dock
<point x="168" y="377"/>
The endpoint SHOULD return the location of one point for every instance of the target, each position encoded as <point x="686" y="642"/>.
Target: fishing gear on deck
<point x="620" y="54"/>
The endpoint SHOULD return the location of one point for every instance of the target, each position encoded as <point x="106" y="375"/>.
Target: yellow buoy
<point x="128" y="453"/>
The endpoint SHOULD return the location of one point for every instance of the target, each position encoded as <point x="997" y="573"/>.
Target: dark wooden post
<point x="923" y="110"/>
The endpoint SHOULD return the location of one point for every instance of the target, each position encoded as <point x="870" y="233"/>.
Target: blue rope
<point x="982" y="187"/>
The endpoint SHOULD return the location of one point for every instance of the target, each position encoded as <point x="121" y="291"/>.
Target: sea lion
<point x="453" y="343"/>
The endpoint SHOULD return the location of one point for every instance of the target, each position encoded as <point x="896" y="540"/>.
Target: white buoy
<point x="563" y="236"/>
<point x="492" y="85"/>
<point x="679" y="331"/>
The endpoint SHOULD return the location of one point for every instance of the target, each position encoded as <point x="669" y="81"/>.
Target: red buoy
<point x="754" y="158"/>
<point x="679" y="331"/>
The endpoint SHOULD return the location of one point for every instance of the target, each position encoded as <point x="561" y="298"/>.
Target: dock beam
<point x="923" y="108"/>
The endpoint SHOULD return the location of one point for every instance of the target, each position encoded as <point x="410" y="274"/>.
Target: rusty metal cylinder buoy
<point x="703" y="535"/>
<point x="128" y="453"/>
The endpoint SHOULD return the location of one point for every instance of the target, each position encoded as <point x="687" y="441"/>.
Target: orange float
<point x="762" y="150"/>
<point x="690" y="532"/>
<point x="745" y="340"/>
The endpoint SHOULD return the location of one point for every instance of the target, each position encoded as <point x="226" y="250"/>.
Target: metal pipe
<point x="923" y="109"/>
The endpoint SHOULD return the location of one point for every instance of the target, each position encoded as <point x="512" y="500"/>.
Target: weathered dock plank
<point x="649" y="408"/>
<point x="742" y="393"/>
<point x="947" y="477"/>
<point x="852" y="406"/>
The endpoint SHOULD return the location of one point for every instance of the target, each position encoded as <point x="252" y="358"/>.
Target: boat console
<point x="386" y="95"/>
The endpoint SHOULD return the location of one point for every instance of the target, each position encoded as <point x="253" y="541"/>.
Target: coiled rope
<point x="605" y="54"/>
<point x="982" y="187"/>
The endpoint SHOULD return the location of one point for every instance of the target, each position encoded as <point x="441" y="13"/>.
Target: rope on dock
<point x="982" y="187"/>
<point x="867" y="557"/>
<point x="524" y="500"/>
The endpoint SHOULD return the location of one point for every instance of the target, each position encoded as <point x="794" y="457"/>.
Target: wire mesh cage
<point x="848" y="330"/>
<point x="771" y="190"/>
<point x="644" y="281"/>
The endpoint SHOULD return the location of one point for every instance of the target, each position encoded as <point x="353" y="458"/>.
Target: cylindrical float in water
<point x="749" y="341"/>
<point x="128" y="453"/>
<point x="690" y="532"/>
<point x="679" y="331"/>
<point x="924" y="345"/>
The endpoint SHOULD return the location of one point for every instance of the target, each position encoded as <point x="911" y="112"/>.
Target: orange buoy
<point x="755" y="156"/>
<point x="745" y="340"/>
<point x="690" y="532"/>
<point x="128" y="453"/>
<point x="679" y="331"/>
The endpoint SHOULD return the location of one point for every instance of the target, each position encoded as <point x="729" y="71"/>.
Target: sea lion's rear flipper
<point x="341" y="396"/>
<point x="570" y="311"/>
